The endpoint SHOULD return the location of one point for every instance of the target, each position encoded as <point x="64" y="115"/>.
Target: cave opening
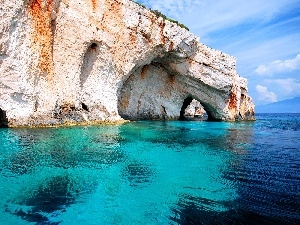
<point x="84" y="107"/>
<point x="157" y="91"/>
<point x="150" y="93"/>
<point x="193" y="110"/>
<point x="3" y="118"/>
<point x="94" y="46"/>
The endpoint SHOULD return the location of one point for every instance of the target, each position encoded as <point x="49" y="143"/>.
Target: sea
<point x="153" y="172"/>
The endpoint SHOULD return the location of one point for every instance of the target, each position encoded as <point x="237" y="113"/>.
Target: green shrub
<point x="159" y="14"/>
<point x="139" y="4"/>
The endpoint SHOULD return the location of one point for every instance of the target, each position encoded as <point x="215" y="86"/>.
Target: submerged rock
<point x="78" y="61"/>
<point x="44" y="202"/>
<point x="138" y="174"/>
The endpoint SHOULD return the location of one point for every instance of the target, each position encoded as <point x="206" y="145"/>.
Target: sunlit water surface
<point x="149" y="172"/>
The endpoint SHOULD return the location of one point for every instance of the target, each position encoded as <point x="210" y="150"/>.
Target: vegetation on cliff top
<point x="159" y="14"/>
<point x="139" y="4"/>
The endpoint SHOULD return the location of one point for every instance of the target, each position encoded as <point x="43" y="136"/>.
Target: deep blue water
<point x="151" y="172"/>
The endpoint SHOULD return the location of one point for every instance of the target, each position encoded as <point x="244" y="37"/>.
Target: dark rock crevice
<point x="3" y="118"/>
<point x="185" y="104"/>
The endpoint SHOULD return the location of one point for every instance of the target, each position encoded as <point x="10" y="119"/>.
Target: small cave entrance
<point x="3" y="118"/>
<point x="85" y="107"/>
<point x="193" y="110"/>
<point x="89" y="60"/>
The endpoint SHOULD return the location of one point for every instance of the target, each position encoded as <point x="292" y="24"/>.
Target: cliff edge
<point x="74" y="61"/>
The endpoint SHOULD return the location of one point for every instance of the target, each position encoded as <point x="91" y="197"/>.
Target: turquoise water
<point x="150" y="172"/>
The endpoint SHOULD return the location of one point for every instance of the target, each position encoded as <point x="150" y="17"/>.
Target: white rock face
<point x="74" y="61"/>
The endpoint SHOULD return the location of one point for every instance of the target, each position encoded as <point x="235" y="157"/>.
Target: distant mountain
<point x="286" y="106"/>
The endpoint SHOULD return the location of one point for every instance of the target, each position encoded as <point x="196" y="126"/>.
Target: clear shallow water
<point x="153" y="173"/>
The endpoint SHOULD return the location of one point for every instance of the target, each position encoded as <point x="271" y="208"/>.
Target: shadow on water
<point x="40" y="150"/>
<point x="138" y="174"/>
<point x="262" y="170"/>
<point x="37" y="148"/>
<point x="234" y="140"/>
<point x="35" y="217"/>
<point x="268" y="176"/>
<point x="197" y="211"/>
<point x="52" y="197"/>
<point x="177" y="134"/>
<point x="87" y="157"/>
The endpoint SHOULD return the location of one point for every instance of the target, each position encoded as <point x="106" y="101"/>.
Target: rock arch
<point x="156" y="91"/>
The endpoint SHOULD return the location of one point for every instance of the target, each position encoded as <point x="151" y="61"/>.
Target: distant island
<point x="286" y="106"/>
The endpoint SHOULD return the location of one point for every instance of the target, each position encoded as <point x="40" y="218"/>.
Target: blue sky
<point x="263" y="35"/>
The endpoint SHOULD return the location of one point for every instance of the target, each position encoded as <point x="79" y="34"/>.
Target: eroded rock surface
<point x="66" y="61"/>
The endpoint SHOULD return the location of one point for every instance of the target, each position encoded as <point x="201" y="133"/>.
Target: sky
<point x="263" y="35"/>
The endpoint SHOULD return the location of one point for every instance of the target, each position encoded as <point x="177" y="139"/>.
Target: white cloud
<point x="265" y="95"/>
<point x="262" y="69"/>
<point x="288" y="87"/>
<point x="279" y="66"/>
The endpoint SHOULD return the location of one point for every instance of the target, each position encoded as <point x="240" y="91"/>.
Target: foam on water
<point x="153" y="173"/>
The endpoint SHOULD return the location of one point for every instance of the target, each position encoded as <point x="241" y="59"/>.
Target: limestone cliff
<point x="65" y="61"/>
